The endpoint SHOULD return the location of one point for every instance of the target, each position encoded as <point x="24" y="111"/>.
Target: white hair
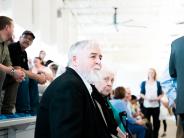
<point x="105" y="71"/>
<point x="75" y="48"/>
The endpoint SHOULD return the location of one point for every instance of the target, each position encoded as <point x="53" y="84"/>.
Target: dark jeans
<point x="182" y="120"/>
<point x="27" y="97"/>
<point x="2" y="78"/>
<point x="179" y="132"/>
<point x="10" y="86"/>
<point x="154" y="112"/>
<point x="137" y="129"/>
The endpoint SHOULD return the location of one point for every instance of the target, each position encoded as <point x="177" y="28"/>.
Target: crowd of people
<point x="80" y="102"/>
<point x="20" y="82"/>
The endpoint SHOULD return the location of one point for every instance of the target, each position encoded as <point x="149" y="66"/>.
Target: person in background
<point x="101" y="96"/>
<point x="135" y="108"/>
<point x="136" y="113"/>
<point x="169" y="86"/>
<point x="120" y="103"/>
<point x="67" y="108"/>
<point x="48" y="62"/>
<point x="27" y="93"/>
<point x="164" y="113"/>
<point x="54" y="68"/>
<point x="42" y="55"/>
<point x="60" y="70"/>
<point x="6" y="34"/>
<point x="39" y="68"/>
<point x="176" y="71"/>
<point x="151" y="92"/>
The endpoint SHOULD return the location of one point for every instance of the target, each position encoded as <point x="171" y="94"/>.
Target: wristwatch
<point x="12" y="72"/>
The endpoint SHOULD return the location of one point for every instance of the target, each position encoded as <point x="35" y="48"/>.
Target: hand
<point x="42" y="79"/>
<point x="19" y="75"/>
<point x="154" y="100"/>
<point x="123" y="135"/>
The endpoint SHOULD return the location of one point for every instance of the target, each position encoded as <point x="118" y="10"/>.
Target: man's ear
<point x="74" y="60"/>
<point x="6" y="27"/>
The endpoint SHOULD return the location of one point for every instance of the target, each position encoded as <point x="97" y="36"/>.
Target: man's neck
<point x="22" y="49"/>
<point x="1" y="37"/>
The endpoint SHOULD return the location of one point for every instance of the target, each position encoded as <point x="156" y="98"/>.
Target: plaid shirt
<point x="169" y="87"/>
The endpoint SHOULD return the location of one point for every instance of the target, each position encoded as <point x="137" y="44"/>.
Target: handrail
<point x="17" y="121"/>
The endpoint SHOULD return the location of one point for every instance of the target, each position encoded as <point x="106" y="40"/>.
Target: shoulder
<point x="143" y="83"/>
<point x="13" y="46"/>
<point x="177" y="42"/>
<point x="66" y="83"/>
<point x="116" y="102"/>
<point x="178" y="39"/>
<point x="63" y="87"/>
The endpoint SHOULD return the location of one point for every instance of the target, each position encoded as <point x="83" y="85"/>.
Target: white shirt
<point x="151" y="93"/>
<point x="86" y="83"/>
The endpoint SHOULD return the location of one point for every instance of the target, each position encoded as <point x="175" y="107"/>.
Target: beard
<point x="92" y="76"/>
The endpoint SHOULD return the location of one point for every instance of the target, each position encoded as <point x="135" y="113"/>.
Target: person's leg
<point x="165" y="128"/>
<point x="179" y="132"/>
<point x="10" y="87"/>
<point x="2" y="78"/>
<point x="165" y="125"/>
<point x="138" y="130"/>
<point x="34" y="96"/>
<point x="156" y="121"/>
<point x="23" y="98"/>
<point x="147" y="113"/>
<point x="182" y="120"/>
<point x="175" y="115"/>
<point x="148" y="130"/>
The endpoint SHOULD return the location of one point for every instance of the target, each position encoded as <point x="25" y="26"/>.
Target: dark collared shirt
<point x="18" y="56"/>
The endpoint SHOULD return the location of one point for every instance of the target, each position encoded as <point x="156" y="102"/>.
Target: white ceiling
<point x="141" y="37"/>
<point x="142" y="26"/>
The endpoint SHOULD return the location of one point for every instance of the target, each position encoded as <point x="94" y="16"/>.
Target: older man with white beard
<point x="67" y="109"/>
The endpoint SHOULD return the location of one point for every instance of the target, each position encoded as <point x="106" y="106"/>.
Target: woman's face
<point x="37" y="62"/>
<point x="151" y="74"/>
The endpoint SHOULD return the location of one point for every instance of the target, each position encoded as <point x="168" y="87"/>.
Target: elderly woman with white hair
<point x="100" y="95"/>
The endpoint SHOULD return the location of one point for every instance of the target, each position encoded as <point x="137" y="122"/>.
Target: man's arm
<point x="38" y="77"/>
<point x="6" y="69"/>
<point x="16" y="73"/>
<point x="66" y="113"/>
